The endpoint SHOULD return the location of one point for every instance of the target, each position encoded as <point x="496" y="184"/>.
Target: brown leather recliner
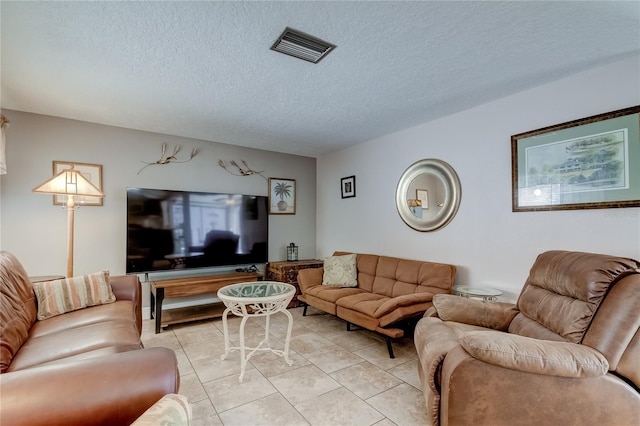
<point x="567" y="353"/>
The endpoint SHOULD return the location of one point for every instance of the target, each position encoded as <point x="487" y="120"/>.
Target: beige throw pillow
<point x="340" y="271"/>
<point x="70" y="294"/>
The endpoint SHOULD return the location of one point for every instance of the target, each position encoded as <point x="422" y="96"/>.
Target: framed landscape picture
<point x="591" y="163"/>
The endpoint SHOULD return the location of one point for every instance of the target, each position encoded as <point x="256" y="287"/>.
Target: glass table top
<point x="477" y="291"/>
<point x="257" y="290"/>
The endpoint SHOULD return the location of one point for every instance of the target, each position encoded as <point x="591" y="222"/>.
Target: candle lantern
<point x="292" y="252"/>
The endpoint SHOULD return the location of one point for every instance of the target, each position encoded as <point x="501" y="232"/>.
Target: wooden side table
<point x="287" y="272"/>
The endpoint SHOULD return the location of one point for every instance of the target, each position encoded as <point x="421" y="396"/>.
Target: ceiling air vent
<point x="303" y="46"/>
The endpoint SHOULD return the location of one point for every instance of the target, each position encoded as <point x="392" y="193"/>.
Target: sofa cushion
<point x="366" y="303"/>
<point x="70" y="294"/>
<point x="386" y="310"/>
<point x="340" y="271"/>
<point x="332" y="294"/>
<point x="17" y="308"/>
<point x="75" y="341"/>
<point x="395" y="277"/>
<point x="119" y="310"/>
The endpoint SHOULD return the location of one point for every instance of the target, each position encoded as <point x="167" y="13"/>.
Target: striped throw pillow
<point x="70" y="294"/>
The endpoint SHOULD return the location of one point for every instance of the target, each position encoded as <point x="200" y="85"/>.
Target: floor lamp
<point x="71" y="183"/>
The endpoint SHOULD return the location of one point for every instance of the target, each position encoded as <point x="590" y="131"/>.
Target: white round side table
<point x="256" y="299"/>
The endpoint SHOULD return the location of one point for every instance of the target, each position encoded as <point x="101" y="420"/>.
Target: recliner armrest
<point x="562" y="359"/>
<point x="107" y="390"/>
<point x="494" y="315"/>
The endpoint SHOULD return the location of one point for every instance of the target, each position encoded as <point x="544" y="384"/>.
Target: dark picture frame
<point x="282" y="196"/>
<point x="348" y="187"/>
<point x="590" y="163"/>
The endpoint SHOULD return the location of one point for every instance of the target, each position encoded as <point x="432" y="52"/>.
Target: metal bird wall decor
<point x="242" y="171"/>
<point x="166" y="159"/>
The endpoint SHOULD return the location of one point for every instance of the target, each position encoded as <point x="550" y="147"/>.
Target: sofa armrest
<point x="401" y="301"/>
<point x="494" y="315"/>
<point x="561" y="359"/>
<point x="309" y="277"/>
<point x="127" y="287"/>
<point x="107" y="390"/>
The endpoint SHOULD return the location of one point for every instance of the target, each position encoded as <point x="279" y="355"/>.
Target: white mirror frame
<point x="452" y="190"/>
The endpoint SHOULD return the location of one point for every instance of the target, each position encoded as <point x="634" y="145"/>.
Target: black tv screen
<point x="179" y="229"/>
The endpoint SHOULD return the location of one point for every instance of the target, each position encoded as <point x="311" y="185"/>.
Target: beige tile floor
<point x="338" y="377"/>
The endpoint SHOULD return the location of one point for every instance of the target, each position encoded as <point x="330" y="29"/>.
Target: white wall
<point x="34" y="229"/>
<point x="491" y="245"/>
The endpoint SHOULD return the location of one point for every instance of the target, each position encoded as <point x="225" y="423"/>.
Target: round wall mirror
<point x="428" y="195"/>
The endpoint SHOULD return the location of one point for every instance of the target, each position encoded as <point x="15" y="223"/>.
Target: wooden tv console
<point x="191" y="286"/>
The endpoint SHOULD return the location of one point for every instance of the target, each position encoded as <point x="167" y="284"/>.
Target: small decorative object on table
<point x="292" y="252"/>
<point x="261" y="299"/>
<point x="486" y="294"/>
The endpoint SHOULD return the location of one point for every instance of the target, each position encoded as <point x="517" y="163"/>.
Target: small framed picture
<point x="282" y="196"/>
<point x="91" y="172"/>
<point x="348" y="186"/>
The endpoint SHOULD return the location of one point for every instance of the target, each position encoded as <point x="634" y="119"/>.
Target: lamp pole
<point x="71" y="207"/>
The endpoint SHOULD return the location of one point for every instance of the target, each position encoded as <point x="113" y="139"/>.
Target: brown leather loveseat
<point x="85" y="367"/>
<point x="389" y="290"/>
<point x="568" y="353"/>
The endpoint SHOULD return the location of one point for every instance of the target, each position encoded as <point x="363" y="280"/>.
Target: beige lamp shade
<point x="69" y="182"/>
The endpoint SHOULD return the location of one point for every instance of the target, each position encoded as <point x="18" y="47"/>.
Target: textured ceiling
<point x="204" y="69"/>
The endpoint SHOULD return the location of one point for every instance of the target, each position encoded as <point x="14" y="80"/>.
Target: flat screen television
<point x="169" y="230"/>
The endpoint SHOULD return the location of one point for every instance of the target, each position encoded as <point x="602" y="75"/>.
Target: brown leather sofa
<point x="83" y="367"/>
<point x="390" y="290"/>
<point x="567" y="353"/>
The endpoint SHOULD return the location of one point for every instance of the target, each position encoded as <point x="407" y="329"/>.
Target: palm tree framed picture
<point x="282" y="196"/>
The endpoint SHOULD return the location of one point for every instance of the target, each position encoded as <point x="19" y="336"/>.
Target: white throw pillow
<point x="340" y="271"/>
